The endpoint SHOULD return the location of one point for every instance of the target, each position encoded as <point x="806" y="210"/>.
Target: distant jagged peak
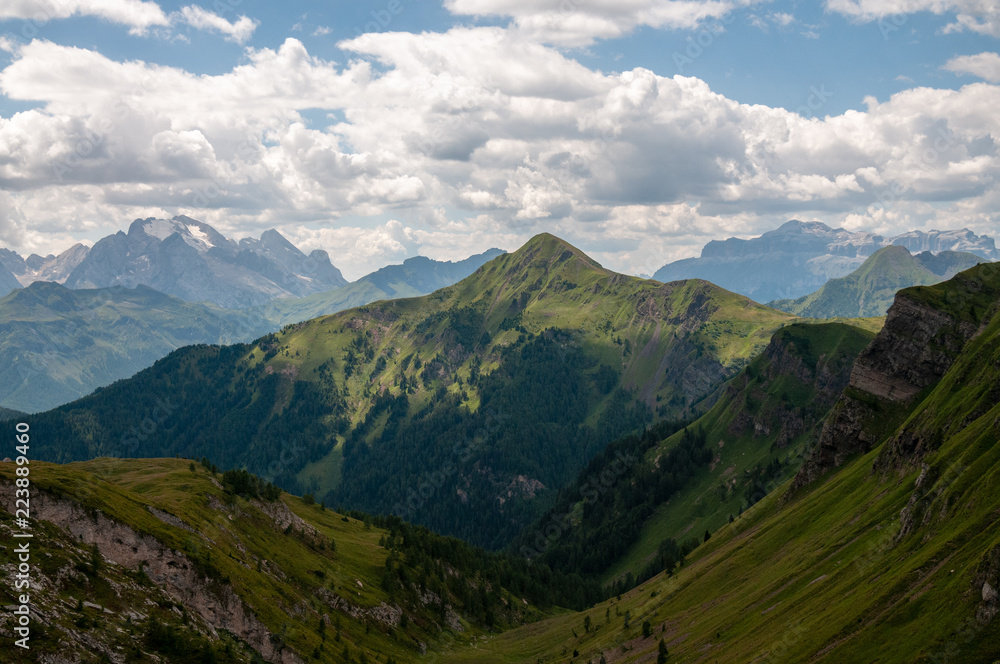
<point x="196" y="234"/>
<point x="935" y="241"/>
<point x="275" y="241"/>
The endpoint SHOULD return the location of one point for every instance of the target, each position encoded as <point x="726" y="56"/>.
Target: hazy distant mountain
<point x="57" y="344"/>
<point x="191" y="260"/>
<point x="42" y="268"/>
<point x="799" y="257"/>
<point x="416" y="276"/>
<point x="871" y="289"/>
<point x="8" y="281"/>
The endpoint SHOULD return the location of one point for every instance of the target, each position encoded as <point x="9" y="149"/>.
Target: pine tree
<point x="661" y="657"/>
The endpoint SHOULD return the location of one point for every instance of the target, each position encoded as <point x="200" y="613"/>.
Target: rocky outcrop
<point x="912" y="352"/>
<point x="214" y="603"/>
<point x="985" y="584"/>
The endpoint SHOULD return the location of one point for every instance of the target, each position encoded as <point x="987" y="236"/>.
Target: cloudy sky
<point x="379" y="129"/>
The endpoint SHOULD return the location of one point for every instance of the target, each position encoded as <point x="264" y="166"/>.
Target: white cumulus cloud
<point x="580" y="22"/>
<point x="982" y="16"/>
<point x="984" y="65"/>
<point x="475" y="135"/>
<point x="138" y="15"/>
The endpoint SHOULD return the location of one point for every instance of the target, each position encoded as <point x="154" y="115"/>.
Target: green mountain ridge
<point x="58" y="344"/>
<point x="465" y="410"/>
<point x="870" y="290"/>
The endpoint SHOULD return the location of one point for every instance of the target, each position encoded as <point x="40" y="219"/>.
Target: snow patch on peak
<point x="194" y="234"/>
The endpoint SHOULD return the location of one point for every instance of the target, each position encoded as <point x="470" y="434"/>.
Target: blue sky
<point x="756" y="60"/>
<point x="638" y="129"/>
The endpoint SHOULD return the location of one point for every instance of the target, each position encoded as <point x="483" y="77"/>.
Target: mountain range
<point x="800" y="257"/>
<point x="191" y="260"/>
<point x="57" y="344"/>
<point x="512" y="379"/>
<point x="61" y="337"/>
<point x="871" y="289"/>
<point x="831" y="490"/>
<point x="883" y="548"/>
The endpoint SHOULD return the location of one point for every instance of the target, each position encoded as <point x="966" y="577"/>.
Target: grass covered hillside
<point x="465" y="410"/>
<point x="894" y="556"/>
<point x="870" y="290"/>
<point x="164" y="560"/>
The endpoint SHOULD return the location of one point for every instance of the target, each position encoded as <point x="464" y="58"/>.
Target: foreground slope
<point x="464" y="410"/>
<point x="164" y="560"/>
<point x="870" y="290"/>
<point x="892" y="556"/>
<point x="57" y="344"/>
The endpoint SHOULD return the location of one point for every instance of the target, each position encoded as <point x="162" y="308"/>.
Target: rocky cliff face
<point x="215" y="604"/>
<point x="925" y="330"/>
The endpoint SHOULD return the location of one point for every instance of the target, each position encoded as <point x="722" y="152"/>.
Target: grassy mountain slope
<point x="464" y="410"/>
<point x="415" y="277"/>
<point x="869" y="290"/>
<point x="57" y="344"/>
<point x="896" y="565"/>
<point x="751" y="440"/>
<point x="163" y="560"/>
